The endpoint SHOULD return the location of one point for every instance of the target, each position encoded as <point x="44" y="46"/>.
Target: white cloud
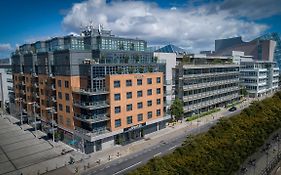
<point x="4" y="47"/>
<point x="193" y="28"/>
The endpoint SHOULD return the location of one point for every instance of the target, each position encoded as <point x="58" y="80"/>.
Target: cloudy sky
<point x="192" y="24"/>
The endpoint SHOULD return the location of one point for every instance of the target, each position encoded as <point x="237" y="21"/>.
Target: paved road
<point x="128" y="163"/>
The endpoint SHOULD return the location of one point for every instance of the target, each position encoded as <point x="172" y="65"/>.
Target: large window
<point x="149" y="103"/>
<point x="129" y="107"/>
<point x="149" y="114"/>
<point x="60" y="107"/>
<point x="117" y="123"/>
<point x="149" y="80"/>
<point x="140" y="105"/>
<point x="117" y="97"/>
<point x="60" y="95"/>
<point x="128" y="82"/>
<point x="67" y="97"/>
<point x="129" y="95"/>
<point x="67" y="109"/>
<point x="158" y="112"/>
<point x="66" y="84"/>
<point x="158" y="101"/>
<point x="117" y="109"/>
<point x="149" y="92"/>
<point x="139" y="82"/>
<point x="158" y="90"/>
<point x="129" y="120"/>
<point x="139" y="93"/>
<point x="59" y="83"/>
<point x="116" y="83"/>
<point x="158" y="79"/>
<point x="140" y="117"/>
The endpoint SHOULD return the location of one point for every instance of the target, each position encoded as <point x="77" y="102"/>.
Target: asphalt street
<point x="128" y="163"/>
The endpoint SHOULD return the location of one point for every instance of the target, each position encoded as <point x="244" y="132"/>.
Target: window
<point x="116" y="83"/>
<point x="128" y="82"/>
<point x="117" y="123"/>
<point x="139" y="105"/>
<point x="139" y="93"/>
<point x="158" y="79"/>
<point x="66" y="84"/>
<point x="149" y="92"/>
<point x="117" y="97"/>
<point x="158" y="112"/>
<point x="59" y="95"/>
<point x="139" y="82"/>
<point x="67" y="109"/>
<point x="42" y="102"/>
<point x="68" y="122"/>
<point x="41" y="91"/>
<point x="129" y="107"/>
<point x="149" y="114"/>
<point x="59" y="83"/>
<point x="61" y="119"/>
<point x="129" y="95"/>
<point x="158" y="90"/>
<point x="67" y="97"/>
<point x="149" y="80"/>
<point x="129" y="120"/>
<point x="60" y="107"/>
<point x="158" y="101"/>
<point x="117" y="109"/>
<point x="140" y="117"/>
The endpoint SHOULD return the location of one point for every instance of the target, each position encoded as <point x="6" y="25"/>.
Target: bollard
<point x="108" y="157"/>
<point x="85" y="167"/>
<point x="88" y="164"/>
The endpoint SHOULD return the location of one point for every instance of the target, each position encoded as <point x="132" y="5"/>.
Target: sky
<point x="190" y="24"/>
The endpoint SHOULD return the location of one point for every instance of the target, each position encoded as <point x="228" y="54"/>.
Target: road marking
<point x="157" y="154"/>
<point x="127" y="168"/>
<point x="107" y="166"/>
<point x="172" y="147"/>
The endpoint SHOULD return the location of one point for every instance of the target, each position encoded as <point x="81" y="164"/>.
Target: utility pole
<point x="52" y="112"/>
<point x="20" y="100"/>
<point x="35" y="122"/>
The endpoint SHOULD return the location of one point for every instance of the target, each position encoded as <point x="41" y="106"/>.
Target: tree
<point x="243" y="91"/>
<point x="177" y="109"/>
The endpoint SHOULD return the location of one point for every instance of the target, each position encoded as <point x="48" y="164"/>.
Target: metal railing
<point x="90" y="91"/>
<point x="92" y="118"/>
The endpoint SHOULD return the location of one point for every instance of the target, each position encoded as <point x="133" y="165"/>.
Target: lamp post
<point x="34" y="115"/>
<point x="52" y="111"/>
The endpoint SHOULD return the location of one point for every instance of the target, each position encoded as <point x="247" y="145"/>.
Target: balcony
<point x="9" y="80"/>
<point x="95" y="132"/>
<point x="35" y="85"/>
<point x="90" y="92"/>
<point x="92" y="118"/>
<point x="91" y="105"/>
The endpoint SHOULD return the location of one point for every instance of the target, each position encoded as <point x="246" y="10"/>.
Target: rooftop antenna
<point x="100" y="28"/>
<point x="91" y="24"/>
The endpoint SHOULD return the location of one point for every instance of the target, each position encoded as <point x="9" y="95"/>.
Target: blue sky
<point x="198" y="22"/>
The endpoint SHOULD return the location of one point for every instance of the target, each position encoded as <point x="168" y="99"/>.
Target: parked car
<point x="232" y="109"/>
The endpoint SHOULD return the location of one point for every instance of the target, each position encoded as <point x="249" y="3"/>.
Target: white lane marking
<point x="127" y="168"/>
<point x="172" y="147"/>
<point x="157" y="154"/>
<point x="107" y="166"/>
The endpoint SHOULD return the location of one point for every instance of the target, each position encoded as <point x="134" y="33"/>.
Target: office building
<point x="6" y="84"/>
<point x="204" y="83"/>
<point x="98" y="89"/>
<point x="259" y="78"/>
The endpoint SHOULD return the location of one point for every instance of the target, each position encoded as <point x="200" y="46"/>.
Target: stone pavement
<point x="22" y="152"/>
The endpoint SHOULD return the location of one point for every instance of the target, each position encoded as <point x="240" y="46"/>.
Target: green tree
<point x="243" y="91"/>
<point x="177" y="109"/>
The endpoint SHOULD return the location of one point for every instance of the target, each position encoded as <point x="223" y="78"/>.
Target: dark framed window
<point x="128" y="82"/>
<point x="60" y="95"/>
<point x="139" y="93"/>
<point x="149" y="114"/>
<point x="139" y="82"/>
<point x="158" y="112"/>
<point x="59" y="83"/>
<point x="129" y="120"/>
<point x="149" y="103"/>
<point x="140" y="117"/>
<point x="117" y="97"/>
<point x="66" y="96"/>
<point x="117" y="109"/>
<point x="67" y="109"/>
<point x="158" y="79"/>
<point x="139" y="105"/>
<point x="129" y="107"/>
<point x="158" y="90"/>
<point x="149" y="92"/>
<point x="66" y="84"/>
<point x="149" y="80"/>
<point x="158" y="101"/>
<point x="60" y="107"/>
<point x="129" y="95"/>
<point x="116" y="83"/>
<point x="117" y="123"/>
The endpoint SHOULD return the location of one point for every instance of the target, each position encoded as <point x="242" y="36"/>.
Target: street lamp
<point x="20" y="101"/>
<point x="34" y="114"/>
<point x="52" y="111"/>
